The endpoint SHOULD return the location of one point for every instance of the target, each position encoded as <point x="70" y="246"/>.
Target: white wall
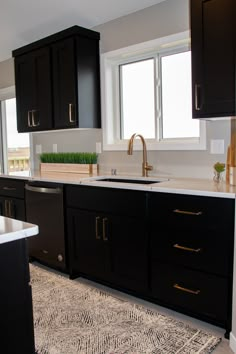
<point x="7" y="78"/>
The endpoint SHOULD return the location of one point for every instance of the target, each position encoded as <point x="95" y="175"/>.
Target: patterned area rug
<point x="74" y="318"/>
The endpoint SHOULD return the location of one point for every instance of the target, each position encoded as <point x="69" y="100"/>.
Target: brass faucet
<point x="145" y="166"/>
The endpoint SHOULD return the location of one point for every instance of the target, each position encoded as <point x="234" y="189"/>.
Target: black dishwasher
<point x="44" y="207"/>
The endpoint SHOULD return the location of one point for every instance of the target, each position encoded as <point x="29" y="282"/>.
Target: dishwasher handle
<point x="43" y="189"/>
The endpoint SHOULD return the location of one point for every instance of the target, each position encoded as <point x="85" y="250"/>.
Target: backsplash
<point x="193" y="164"/>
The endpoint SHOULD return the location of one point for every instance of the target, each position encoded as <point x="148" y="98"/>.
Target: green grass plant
<point x="69" y="157"/>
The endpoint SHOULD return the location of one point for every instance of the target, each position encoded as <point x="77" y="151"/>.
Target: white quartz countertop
<point x="191" y="186"/>
<point x="12" y="230"/>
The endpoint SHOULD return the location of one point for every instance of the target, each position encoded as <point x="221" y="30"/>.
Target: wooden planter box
<point x="69" y="167"/>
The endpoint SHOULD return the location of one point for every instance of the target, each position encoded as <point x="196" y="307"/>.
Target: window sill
<point x="170" y="145"/>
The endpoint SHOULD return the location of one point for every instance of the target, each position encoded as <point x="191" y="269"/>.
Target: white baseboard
<point x="232" y="342"/>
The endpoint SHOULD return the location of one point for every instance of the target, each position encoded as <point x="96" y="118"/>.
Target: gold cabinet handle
<point x="96" y="228"/>
<point x="188" y="249"/>
<point x="9" y="188"/>
<point x="29" y="119"/>
<point x="104" y="222"/>
<point x="11" y="214"/>
<point x="6" y="208"/>
<point x="71" y="120"/>
<point x="197" y="97"/>
<point x="190" y="291"/>
<point x="178" y="211"/>
<point x="33" y="119"/>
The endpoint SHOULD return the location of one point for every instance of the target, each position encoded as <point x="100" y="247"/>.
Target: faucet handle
<point x="148" y="167"/>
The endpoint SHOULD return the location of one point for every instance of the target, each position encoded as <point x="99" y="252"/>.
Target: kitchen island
<point x="16" y="320"/>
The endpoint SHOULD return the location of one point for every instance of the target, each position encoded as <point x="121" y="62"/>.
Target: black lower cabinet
<point x="106" y="240"/>
<point x="16" y="320"/>
<point x="174" y="250"/>
<point x="109" y="248"/>
<point x="89" y="253"/>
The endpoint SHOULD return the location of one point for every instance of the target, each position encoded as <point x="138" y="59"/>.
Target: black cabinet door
<point x="64" y="84"/>
<point x="213" y="57"/>
<point x="129" y="245"/>
<point x="89" y="244"/>
<point x="33" y="91"/>
<point x="12" y="208"/>
<point x="16" y="320"/>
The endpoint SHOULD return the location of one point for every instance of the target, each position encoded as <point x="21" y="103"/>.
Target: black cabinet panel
<point x="201" y="294"/>
<point x="34" y="91"/>
<point x="64" y="80"/>
<point x="16" y="320"/>
<point x="12" y="188"/>
<point x="192" y="212"/>
<point x="203" y="250"/>
<point x="213" y="69"/>
<point x="109" y="200"/>
<point x="89" y="252"/>
<point x="12" y="204"/>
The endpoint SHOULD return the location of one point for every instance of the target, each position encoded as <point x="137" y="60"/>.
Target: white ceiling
<point x="24" y="21"/>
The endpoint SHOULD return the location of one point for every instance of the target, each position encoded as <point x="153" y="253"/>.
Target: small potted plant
<point x="75" y="162"/>
<point x="219" y="167"/>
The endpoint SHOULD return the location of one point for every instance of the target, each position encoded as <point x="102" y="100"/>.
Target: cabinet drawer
<point x="118" y="201"/>
<point x="174" y="210"/>
<point x="206" y="250"/>
<point x="12" y="188"/>
<point x="198" y="293"/>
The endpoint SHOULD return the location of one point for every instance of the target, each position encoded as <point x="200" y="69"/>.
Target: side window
<point x="15" y="146"/>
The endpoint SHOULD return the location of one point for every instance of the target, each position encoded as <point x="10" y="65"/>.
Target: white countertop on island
<point x="12" y="230"/>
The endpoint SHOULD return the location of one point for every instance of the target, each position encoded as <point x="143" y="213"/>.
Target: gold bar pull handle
<point x="33" y="119"/>
<point x="104" y="225"/>
<point x="186" y="290"/>
<point x="188" y="249"/>
<point x="186" y="212"/>
<point x="29" y="119"/>
<point x="71" y="120"/>
<point x="198" y="97"/>
<point x="96" y="228"/>
<point x="6" y="208"/>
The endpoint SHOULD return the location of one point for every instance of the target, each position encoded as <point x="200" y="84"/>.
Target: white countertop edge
<point x="26" y="231"/>
<point x="167" y="185"/>
<point x="194" y="192"/>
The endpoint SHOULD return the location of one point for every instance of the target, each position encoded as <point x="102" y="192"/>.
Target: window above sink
<point x="140" y="87"/>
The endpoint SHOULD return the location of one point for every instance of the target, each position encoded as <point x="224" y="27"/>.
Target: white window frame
<point x="5" y="94"/>
<point x="110" y="62"/>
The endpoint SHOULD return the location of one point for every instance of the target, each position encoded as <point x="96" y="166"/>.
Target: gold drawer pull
<point x="196" y="250"/>
<point x="104" y="234"/>
<point x="190" y="291"/>
<point x="187" y="212"/>
<point x="96" y="228"/>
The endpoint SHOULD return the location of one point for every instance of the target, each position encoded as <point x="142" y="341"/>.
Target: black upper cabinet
<point x="213" y="42"/>
<point x="64" y="80"/>
<point x="58" y="82"/>
<point x="33" y="91"/>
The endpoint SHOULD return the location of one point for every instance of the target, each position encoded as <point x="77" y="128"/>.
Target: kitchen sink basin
<point x="127" y="180"/>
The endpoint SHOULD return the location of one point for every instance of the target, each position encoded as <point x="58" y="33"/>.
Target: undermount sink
<point x="127" y="180"/>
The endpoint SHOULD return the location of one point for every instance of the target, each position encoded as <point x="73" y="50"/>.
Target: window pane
<point x="137" y="99"/>
<point x="17" y="144"/>
<point x="176" y="97"/>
